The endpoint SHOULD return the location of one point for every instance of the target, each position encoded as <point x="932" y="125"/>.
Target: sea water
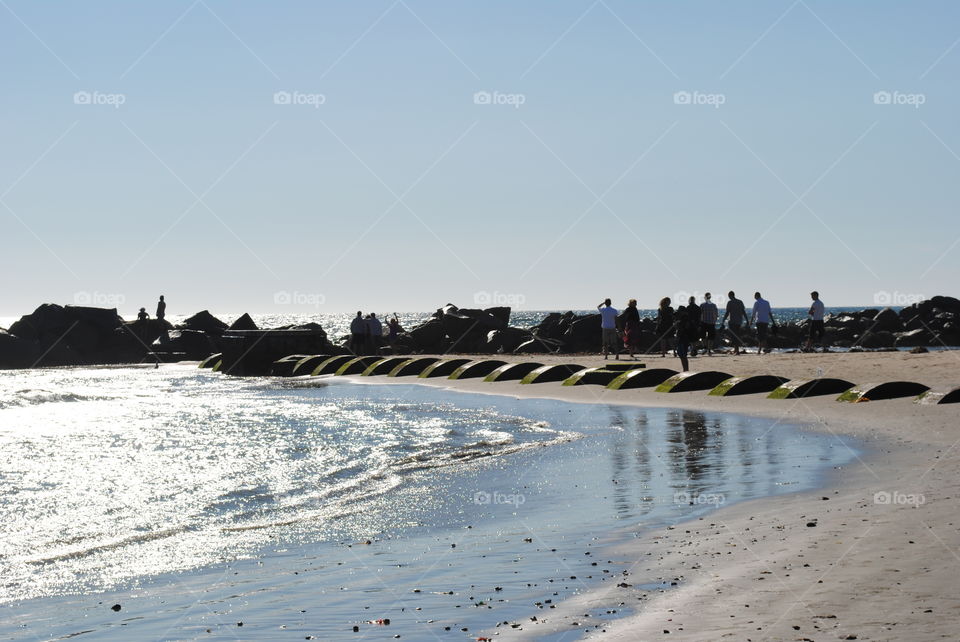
<point x="308" y="506"/>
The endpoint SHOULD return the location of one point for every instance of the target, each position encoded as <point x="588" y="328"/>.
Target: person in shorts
<point x="816" y="321"/>
<point x="608" y="329"/>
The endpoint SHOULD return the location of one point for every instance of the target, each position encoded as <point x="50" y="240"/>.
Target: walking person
<point x="762" y="318"/>
<point x="816" y="322"/>
<point x="708" y="322"/>
<point x="682" y="331"/>
<point x="665" y="327"/>
<point x="631" y="328"/>
<point x="608" y="329"/>
<point x="736" y="312"/>
<point x="358" y="333"/>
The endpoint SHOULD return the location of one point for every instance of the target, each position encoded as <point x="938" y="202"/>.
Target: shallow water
<point x="198" y="500"/>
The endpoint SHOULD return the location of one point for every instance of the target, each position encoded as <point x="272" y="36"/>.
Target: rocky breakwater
<point x="55" y="335"/>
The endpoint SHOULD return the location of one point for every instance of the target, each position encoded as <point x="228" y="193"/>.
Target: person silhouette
<point x="142" y="315"/>
<point x="161" y="309"/>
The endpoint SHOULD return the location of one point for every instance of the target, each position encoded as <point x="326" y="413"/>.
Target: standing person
<point x="762" y="317"/>
<point x="608" y="329"/>
<point x="631" y="328"/>
<point x="708" y="322"/>
<point x="737" y="313"/>
<point x="393" y="329"/>
<point x="682" y="330"/>
<point x="358" y="333"/>
<point x="693" y="323"/>
<point x="374" y="332"/>
<point x="664" y="324"/>
<point x="816" y="321"/>
<point x="161" y="313"/>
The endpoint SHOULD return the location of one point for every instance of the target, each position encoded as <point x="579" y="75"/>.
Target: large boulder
<point x="506" y="340"/>
<point x="193" y="343"/>
<point x="244" y="322"/>
<point x="881" y="339"/>
<point x="203" y="321"/>
<point x="914" y="338"/>
<point x="886" y="320"/>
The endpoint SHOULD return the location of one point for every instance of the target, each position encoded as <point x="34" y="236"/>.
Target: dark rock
<point x="506" y="340"/>
<point x="911" y="338"/>
<point x="203" y="321"/>
<point x="886" y="320"/>
<point x="500" y="313"/>
<point x="882" y="339"/>
<point x="193" y="343"/>
<point x="918" y="350"/>
<point x="244" y="323"/>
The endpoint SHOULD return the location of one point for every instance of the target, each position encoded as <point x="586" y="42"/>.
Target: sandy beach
<point x="873" y="555"/>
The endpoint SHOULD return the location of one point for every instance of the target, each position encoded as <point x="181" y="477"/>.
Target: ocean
<point x="201" y="504"/>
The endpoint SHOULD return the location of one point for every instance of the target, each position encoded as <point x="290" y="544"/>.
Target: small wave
<point x="110" y="546"/>
<point x="35" y="397"/>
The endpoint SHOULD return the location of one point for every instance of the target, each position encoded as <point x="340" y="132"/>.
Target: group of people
<point x="693" y="323"/>
<point x="367" y="333"/>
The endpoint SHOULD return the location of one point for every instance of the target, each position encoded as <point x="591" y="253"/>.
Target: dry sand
<point x="834" y="564"/>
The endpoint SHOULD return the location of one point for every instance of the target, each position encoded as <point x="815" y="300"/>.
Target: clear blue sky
<point x="401" y="192"/>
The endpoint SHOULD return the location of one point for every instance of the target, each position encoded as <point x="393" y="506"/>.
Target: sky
<point x="397" y="155"/>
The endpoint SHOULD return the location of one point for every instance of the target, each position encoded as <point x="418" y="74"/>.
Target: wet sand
<point x="872" y="555"/>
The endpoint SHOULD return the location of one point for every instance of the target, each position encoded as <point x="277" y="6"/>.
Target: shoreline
<point x="756" y="569"/>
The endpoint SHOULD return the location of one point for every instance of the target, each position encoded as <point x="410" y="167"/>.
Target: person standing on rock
<point x="694" y="330"/>
<point x="762" y="317"/>
<point x="708" y="322"/>
<point x="682" y="329"/>
<point x="665" y="327"/>
<point x="631" y="328"/>
<point x="737" y="313"/>
<point x="393" y="329"/>
<point x="608" y="328"/>
<point x="161" y="313"/>
<point x="374" y="332"/>
<point x="358" y="333"/>
<point x="816" y="321"/>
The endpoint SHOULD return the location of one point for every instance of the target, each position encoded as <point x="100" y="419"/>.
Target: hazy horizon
<point x="399" y="155"/>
